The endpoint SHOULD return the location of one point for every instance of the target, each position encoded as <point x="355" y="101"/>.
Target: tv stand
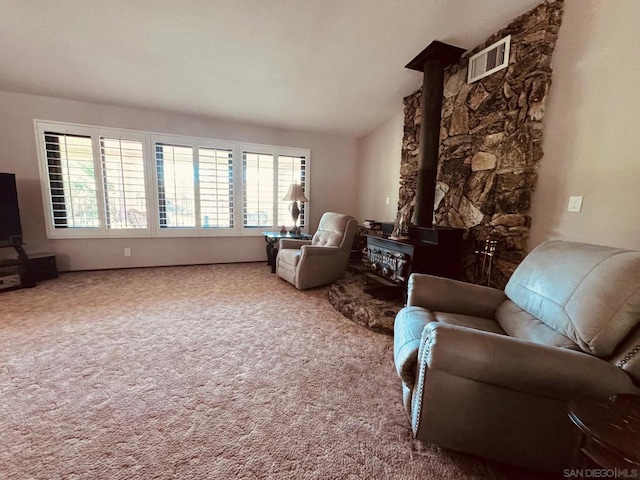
<point x="21" y="265"/>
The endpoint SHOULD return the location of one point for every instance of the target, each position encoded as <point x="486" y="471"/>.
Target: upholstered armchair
<point x="490" y="372"/>
<point x="321" y="260"/>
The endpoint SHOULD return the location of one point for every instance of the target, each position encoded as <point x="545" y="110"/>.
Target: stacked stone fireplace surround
<point x="490" y="144"/>
<point x="490" y="149"/>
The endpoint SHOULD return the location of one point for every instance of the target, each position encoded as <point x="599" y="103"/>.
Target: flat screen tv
<point x="10" y="228"/>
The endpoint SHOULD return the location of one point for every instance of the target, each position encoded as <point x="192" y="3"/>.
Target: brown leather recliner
<point x="321" y="260"/>
<point x="490" y="372"/>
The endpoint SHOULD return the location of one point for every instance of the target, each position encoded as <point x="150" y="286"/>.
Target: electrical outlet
<point x="127" y="252"/>
<point x="387" y="201"/>
<point x="575" y="203"/>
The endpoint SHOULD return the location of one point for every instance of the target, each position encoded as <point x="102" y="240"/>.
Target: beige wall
<point x="591" y="129"/>
<point x="591" y="122"/>
<point x="329" y="191"/>
<point x="379" y="155"/>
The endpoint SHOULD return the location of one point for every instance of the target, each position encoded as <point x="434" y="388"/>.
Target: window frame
<point x="149" y="140"/>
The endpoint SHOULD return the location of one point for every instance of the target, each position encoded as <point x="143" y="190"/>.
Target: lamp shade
<point x="295" y="194"/>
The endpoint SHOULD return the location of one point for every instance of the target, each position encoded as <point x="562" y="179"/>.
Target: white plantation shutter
<point x="101" y="182"/>
<point x="176" y="191"/>
<point x="258" y="176"/>
<point x="124" y="183"/>
<point x="290" y="170"/>
<point x="72" y="180"/>
<point x="215" y="175"/>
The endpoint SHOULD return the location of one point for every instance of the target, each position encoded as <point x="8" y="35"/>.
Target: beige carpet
<point x="218" y="371"/>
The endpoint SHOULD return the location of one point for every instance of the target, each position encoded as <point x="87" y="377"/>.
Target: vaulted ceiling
<point x="319" y="65"/>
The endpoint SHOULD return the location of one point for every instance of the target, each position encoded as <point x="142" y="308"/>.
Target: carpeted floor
<point x="203" y="372"/>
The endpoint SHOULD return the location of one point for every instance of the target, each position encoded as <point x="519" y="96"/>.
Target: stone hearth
<point x="349" y="297"/>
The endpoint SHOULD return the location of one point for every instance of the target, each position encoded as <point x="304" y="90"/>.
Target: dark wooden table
<point x="273" y="238"/>
<point x="610" y="432"/>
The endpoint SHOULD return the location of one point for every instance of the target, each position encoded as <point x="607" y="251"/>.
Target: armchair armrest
<point x="445" y="295"/>
<point x="407" y="332"/>
<point x="291" y="243"/>
<point x="520" y="365"/>
<point x="314" y="250"/>
<point x="320" y="265"/>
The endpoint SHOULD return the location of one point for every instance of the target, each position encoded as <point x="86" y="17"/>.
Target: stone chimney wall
<point x="490" y="143"/>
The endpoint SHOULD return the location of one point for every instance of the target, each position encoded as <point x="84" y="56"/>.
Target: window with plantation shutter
<point x="176" y="186"/>
<point x="267" y="178"/>
<point x="215" y="176"/>
<point x="195" y="185"/>
<point x="94" y="179"/>
<point x="72" y="180"/>
<point x="258" y="170"/>
<point x="290" y="170"/>
<point x="124" y="183"/>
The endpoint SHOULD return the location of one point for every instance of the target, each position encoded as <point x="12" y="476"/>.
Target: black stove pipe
<point x="432" y="62"/>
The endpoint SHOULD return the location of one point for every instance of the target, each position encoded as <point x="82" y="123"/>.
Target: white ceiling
<point x="318" y="65"/>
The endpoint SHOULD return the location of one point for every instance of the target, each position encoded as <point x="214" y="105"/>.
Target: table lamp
<point x="294" y="195"/>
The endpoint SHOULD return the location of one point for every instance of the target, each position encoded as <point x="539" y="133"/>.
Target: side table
<point x="610" y="432"/>
<point x="273" y="238"/>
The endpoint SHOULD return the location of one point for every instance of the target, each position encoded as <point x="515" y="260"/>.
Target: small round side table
<point x="610" y="431"/>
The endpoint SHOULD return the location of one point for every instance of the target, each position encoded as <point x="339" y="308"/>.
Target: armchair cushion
<point x="332" y="230"/>
<point x="479" y="323"/>
<point x="588" y="293"/>
<point x="520" y="324"/>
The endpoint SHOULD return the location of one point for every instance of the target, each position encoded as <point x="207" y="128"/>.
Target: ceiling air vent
<point x="489" y="60"/>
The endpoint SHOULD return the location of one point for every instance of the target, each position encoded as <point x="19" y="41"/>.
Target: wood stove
<point x="435" y="251"/>
<point x="422" y="248"/>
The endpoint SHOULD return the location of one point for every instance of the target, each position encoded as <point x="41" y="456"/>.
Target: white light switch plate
<point x="575" y="203"/>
